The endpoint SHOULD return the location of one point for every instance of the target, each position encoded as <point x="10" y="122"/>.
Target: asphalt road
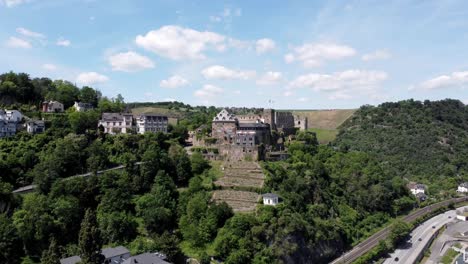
<point x="365" y="246"/>
<point x="419" y="238"/>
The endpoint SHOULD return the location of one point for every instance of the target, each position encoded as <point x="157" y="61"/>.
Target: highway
<point x="419" y="238"/>
<point x="366" y="245"/>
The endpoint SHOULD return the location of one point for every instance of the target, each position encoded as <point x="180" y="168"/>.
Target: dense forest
<point x="421" y="141"/>
<point x="331" y="196"/>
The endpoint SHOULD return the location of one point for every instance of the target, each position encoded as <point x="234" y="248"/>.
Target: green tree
<point x="90" y="241"/>
<point x="10" y="243"/>
<point x="52" y="254"/>
<point x="199" y="164"/>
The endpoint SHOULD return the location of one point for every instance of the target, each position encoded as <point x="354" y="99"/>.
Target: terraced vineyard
<point x="240" y="201"/>
<point x="240" y="174"/>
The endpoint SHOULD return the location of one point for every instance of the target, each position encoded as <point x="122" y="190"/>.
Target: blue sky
<point x="281" y="54"/>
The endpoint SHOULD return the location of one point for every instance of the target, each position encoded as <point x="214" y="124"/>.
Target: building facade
<point x="116" y="123"/>
<point x="35" y="126"/>
<point x="82" y="107"/>
<point x="151" y="123"/>
<point x="52" y="107"/>
<point x="9" y="121"/>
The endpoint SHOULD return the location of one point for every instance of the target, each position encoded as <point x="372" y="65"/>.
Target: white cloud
<point x="179" y="43"/>
<point x="270" y="78"/>
<point x="264" y="45"/>
<point x="129" y="62"/>
<point x="377" y="55"/>
<point x="221" y="72"/>
<point x="454" y="80"/>
<point x="15" y="42"/>
<point x="169" y="99"/>
<point x="49" y="67"/>
<point x="174" y="81"/>
<point x="288" y="93"/>
<point x="208" y="92"/>
<point x="89" y="78"/>
<point x="342" y="85"/>
<point x="12" y="3"/>
<point x="28" y="33"/>
<point x="314" y="54"/>
<point x="303" y="99"/>
<point x="63" y="42"/>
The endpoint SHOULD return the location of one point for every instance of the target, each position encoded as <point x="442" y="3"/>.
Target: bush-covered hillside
<point x="426" y="141"/>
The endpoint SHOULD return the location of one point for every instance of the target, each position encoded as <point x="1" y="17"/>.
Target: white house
<point x="9" y="120"/>
<point x="463" y="188"/>
<point x="151" y="123"/>
<point x="52" y="107"/>
<point x="13" y="116"/>
<point x="35" y="126"/>
<point x="82" y="107"/>
<point x="416" y="188"/>
<point x="270" y="199"/>
<point x="115" y="123"/>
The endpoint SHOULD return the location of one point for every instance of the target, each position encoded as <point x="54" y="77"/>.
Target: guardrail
<point x="368" y="244"/>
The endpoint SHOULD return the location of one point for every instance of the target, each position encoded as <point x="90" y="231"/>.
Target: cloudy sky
<point x="282" y="54"/>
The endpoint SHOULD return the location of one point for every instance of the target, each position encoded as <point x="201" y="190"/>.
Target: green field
<point x="324" y="135"/>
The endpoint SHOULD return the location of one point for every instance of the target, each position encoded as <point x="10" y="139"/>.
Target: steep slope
<point x="425" y="141"/>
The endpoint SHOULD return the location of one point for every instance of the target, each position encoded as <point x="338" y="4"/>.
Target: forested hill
<point x="425" y="141"/>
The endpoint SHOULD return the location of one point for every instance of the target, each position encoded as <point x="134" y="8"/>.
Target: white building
<point x="115" y="123"/>
<point x="416" y="188"/>
<point x="9" y="120"/>
<point x="35" y="126"/>
<point x="463" y="188"/>
<point x="151" y="123"/>
<point x="13" y="116"/>
<point x="82" y="107"/>
<point x="270" y="199"/>
<point x="52" y="107"/>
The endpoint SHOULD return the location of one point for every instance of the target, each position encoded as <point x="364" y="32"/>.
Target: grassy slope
<point x="325" y="122"/>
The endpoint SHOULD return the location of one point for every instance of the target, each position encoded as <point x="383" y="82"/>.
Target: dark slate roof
<point x="112" y="117"/>
<point x="114" y="252"/>
<point x="70" y="260"/>
<point x="270" y="195"/>
<point x="465" y="184"/>
<point x="147" y="258"/>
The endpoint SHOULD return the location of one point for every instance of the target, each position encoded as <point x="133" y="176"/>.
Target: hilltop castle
<point x="250" y="135"/>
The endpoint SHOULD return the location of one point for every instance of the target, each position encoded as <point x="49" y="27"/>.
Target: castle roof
<point x="224" y="116"/>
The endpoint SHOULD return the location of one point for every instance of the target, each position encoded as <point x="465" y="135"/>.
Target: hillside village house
<point x="463" y="187"/>
<point x="52" y="107"/>
<point x="115" y="123"/>
<point x="9" y="120"/>
<point x="416" y="188"/>
<point x="82" y="107"/>
<point x="151" y="123"/>
<point x="35" y="126"/>
<point x="270" y="199"/>
<point x="13" y="116"/>
<point x="121" y="255"/>
<point x="115" y="255"/>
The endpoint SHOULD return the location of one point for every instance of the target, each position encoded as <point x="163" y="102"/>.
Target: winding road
<point x="368" y="244"/>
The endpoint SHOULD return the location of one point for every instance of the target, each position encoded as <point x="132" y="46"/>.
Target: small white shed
<point x="270" y="199"/>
